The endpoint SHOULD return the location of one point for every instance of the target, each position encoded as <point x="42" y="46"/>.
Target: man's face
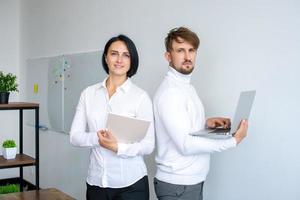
<point x="182" y="56"/>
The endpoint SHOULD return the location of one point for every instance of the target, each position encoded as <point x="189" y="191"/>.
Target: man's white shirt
<point x="178" y="111"/>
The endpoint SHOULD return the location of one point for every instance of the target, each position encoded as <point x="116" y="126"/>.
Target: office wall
<point x="244" y="45"/>
<point x="9" y="63"/>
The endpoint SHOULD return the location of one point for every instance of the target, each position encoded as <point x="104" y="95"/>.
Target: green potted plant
<point x="9" y="149"/>
<point x="10" y="188"/>
<point x="8" y="83"/>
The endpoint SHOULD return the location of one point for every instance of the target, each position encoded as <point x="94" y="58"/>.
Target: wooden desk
<point x="46" y="194"/>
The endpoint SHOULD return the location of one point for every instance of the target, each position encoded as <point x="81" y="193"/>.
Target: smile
<point x="118" y="66"/>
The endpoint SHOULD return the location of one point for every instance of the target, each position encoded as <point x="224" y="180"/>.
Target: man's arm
<point x="173" y="112"/>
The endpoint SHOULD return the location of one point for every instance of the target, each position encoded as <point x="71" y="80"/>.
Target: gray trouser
<point x="167" y="191"/>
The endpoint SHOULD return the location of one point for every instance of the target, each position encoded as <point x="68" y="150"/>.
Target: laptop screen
<point x="243" y="109"/>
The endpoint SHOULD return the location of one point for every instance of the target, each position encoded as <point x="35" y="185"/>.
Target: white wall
<point x="254" y="45"/>
<point x="244" y="45"/>
<point x="9" y="63"/>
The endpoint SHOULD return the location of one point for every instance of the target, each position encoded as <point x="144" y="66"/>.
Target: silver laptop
<point x="242" y="112"/>
<point x="127" y="129"/>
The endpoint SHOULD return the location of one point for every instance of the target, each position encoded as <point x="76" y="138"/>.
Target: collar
<point x="185" y="78"/>
<point x="124" y="87"/>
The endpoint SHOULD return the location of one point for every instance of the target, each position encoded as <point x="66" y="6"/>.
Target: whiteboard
<point x="81" y="70"/>
<point x="60" y="81"/>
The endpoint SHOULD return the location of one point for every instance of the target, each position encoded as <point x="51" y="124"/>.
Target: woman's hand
<point x="107" y="140"/>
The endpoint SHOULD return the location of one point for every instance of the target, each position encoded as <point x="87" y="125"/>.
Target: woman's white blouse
<point x="107" y="168"/>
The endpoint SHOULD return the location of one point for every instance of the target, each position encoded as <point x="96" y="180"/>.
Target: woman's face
<point x="118" y="59"/>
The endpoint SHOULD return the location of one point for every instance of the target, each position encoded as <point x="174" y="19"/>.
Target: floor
<point x="45" y="194"/>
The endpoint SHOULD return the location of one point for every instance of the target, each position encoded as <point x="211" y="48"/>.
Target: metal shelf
<point x="23" y="160"/>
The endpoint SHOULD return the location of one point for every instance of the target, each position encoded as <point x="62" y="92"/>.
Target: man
<point x="182" y="159"/>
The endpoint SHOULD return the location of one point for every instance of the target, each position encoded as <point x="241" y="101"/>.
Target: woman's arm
<point x="78" y="134"/>
<point x="146" y="145"/>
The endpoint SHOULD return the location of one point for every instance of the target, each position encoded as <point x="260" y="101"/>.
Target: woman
<point x="116" y="170"/>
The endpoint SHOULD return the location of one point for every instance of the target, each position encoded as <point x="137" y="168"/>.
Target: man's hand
<point x="218" y="122"/>
<point x="107" y="140"/>
<point x="241" y="133"/>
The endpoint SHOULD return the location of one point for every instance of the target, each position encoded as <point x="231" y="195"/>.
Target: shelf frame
<point x="23" y="160"/>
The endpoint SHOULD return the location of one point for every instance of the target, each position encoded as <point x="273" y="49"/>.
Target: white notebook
<point x="127" y="129"/>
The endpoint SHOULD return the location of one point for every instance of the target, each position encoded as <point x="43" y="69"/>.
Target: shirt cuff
<point x="233" y="142"/>
<point x="121" y="149"/>
<point x="95" y="139"/>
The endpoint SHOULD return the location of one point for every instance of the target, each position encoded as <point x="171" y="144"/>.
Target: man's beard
<point x="184" y="70"/>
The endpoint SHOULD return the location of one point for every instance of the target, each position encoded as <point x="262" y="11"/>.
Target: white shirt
<point x="181" y="158"/>
<point x="107" y="168"/>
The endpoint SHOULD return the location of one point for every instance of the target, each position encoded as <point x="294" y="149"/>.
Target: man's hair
<point x="183" y="33"/>
<point x="134" y="57"/>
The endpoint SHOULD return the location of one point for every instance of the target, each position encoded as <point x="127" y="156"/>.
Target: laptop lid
<point x="243" y="109"/>
<point x="127" y="129"/>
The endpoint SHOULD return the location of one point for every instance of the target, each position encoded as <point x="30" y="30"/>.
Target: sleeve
<point x="172" y="110"/>
<point x="146" y="145"/>
<point x="78" y="135"/>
